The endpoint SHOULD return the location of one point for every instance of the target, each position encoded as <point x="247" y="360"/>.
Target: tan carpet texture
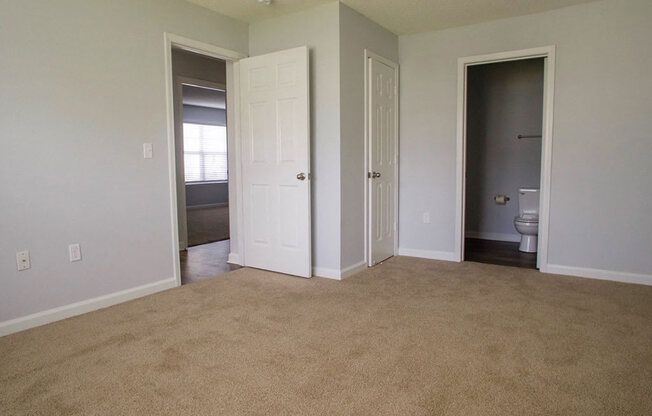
<point x="408" y="337"/>
<point x="207" y="225"/>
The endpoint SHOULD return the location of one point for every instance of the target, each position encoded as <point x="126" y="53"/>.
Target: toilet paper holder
<point x="501" y="199"/>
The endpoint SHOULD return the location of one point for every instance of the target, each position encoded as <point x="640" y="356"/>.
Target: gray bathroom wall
<point x="504" y="100"/>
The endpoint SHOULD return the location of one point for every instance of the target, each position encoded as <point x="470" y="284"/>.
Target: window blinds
<point x="205" y="154"/>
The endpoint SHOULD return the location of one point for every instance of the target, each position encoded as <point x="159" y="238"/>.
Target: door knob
<point x="376" y="175"/>
<point x="301" y="176"/>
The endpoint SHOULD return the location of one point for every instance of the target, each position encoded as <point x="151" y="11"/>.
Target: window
<point x="204" y="150"/>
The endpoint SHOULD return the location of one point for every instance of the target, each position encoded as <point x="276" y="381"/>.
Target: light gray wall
<point x="318" y="29"/>
<point x="601" y="174"/>
<point x="356" y="33"/>
<point x="71" y="169"/>
<point x="504" y="100"/>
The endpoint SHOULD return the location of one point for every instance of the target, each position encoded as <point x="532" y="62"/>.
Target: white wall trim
<point x="231" y="58"/>
<point x="428" y="254"/>
<point x="216" y="205"/>
<point x="625" y="277"/>
<point x="353" y="269"/>
<point x="547" y="52"/>
<point x="234" y="258"/>
<point x="78" y="308"/>
<point x="514" y="238"/>
<point x="339" y="274"/>
<point x="367" y="210"/>
<point x="326" y="273"/>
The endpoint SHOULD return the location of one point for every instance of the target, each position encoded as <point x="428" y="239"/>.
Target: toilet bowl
<point x="529" y="230"/>
<point x="527" y="221"/>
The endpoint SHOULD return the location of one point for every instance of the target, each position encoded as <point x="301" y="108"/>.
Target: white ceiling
<point x="399" y="16"/>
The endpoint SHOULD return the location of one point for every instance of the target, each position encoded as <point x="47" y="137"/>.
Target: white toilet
<point x="527" y="222"/>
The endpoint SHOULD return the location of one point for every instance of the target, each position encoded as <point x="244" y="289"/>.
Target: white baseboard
<point x="327" y="273"/>
<point x="219" y="204"/>
<point x="625" y="277"/>
<point x="354" y="269"/>
<point x="78" y="308"/>
<point x="428" y="254"/>
<point x="339" y="274"/>
<point x="493" y="236"/>
<point x="234" y="258"/>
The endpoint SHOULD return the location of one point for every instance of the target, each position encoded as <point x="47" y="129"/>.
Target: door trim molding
<point x="547" y="52"/>
<point x="231" y="58"/>
<point x="367" y="204"/>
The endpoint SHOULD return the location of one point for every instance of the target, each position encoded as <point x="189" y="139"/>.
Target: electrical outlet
<point x="22" y="260"/>
<point x="75" y="252"/>
<point x="426" y="218"/>
<point x="148" y="150"/>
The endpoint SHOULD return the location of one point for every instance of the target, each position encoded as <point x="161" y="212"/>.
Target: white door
<point x="383" y="145"/>
<point x="275" y="135"/>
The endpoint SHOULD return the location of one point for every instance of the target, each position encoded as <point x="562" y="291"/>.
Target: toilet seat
<point x="527" y="219"/>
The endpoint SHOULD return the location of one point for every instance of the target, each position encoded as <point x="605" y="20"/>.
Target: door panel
<point x="276" y="143"/>
<point x="382" y="160"/>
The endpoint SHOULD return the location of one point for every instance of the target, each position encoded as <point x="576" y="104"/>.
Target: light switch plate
<point x="148" y="150"/>
<point x="22" y="260"/>
<point x="75" y="252"/>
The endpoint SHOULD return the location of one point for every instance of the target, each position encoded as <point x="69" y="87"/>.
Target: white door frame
<point x="547" y="52"/>
<point x="231" y="58"/>
<point x="367" y="147"/>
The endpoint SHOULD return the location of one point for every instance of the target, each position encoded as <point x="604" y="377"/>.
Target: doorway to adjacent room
<point x="504" y="164"/>
<point x="202" y="157"/>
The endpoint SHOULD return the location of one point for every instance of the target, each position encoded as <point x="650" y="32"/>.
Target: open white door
<point x="275" y="133"/>
<point x="383" y="150"/>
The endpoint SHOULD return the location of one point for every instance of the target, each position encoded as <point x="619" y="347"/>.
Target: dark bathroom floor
<point x="504" y="253"/>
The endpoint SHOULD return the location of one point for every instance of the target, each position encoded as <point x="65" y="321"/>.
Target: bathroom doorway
<point x="503" y="158"/>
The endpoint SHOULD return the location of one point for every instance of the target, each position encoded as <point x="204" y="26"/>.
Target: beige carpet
<point x="409" y="337"/>
<point x="207" y="225"/>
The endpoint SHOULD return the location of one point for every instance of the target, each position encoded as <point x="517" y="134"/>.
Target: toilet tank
<point x="528" y="202"/>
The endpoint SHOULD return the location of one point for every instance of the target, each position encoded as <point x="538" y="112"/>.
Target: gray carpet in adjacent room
<point x="408" y="337"/>
<point x="206" y="225"/>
